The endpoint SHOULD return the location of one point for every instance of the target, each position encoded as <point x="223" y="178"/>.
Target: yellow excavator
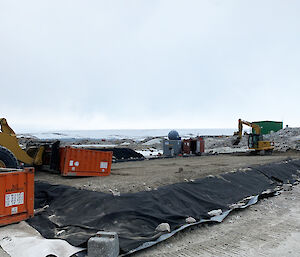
<point x="11" y="153"/>
<point x="255" y="140"/>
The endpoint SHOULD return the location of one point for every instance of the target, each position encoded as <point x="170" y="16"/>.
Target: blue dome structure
<point x="174" y="135"/>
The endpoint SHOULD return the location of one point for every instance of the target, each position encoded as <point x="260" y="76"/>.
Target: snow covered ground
<point x="152" y="152"/>
<point x="284" y="140"/>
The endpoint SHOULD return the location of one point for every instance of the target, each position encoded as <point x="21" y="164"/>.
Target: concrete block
<point x="104" y="244"/>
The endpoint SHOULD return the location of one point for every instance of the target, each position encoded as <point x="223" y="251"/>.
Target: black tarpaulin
<point x="76" y="215"/>
<point x="122" y="153"/>
<point x="284" y="172"/>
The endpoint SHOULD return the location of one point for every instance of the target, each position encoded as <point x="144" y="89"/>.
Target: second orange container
<point x="83" y="162"/>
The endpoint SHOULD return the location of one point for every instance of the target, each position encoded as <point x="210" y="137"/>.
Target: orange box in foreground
<point x="16" y="195"/>
<point x="84" y="162"/>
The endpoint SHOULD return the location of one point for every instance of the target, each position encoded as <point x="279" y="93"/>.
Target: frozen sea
<point x="134" y="134"/>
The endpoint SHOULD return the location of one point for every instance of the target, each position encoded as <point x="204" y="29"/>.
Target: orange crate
<point x="16" y="195"/>
<point x="83" y="162"/>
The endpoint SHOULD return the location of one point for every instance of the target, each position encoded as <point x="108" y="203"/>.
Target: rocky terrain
<point x="287" y="139"/>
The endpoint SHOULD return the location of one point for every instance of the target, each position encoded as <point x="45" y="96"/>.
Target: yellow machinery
<point x="49" y="156"/>
<point x="11" y="152"/>
<point x="255" y="140"/>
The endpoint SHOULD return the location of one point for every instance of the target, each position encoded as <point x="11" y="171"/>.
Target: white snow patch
<point x="125" y="143"/>
<point x="150" y="152"/>
<point x="227" y="149"/>
<point x="153" y="141"/>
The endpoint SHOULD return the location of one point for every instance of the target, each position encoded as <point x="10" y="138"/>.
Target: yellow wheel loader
<point x="255" y="140"/>
<point x="49" y="156"/>
<point x="11" y="152"/>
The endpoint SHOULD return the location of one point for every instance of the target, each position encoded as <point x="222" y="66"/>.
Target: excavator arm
<point x="9" y="140"/>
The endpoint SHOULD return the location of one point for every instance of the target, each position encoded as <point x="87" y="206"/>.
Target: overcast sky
<point x="148" y="64"/>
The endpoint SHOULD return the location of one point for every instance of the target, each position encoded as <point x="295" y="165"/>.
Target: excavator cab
<point x="253" y="140"/>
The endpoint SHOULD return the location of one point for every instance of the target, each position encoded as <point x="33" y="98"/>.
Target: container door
<point x="198" y="147"/>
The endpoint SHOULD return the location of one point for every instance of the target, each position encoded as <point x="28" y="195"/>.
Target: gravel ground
<point x="3" y="253"/>
<point x="269" y="228"/>
<point x="149" y="174"/>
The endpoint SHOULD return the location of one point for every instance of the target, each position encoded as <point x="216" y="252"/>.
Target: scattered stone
<point x="37" y="211"/>
<point x="180" y="170"/>
<point x="163" y="227"/>
<point x="245" y="169"/>
<point x="60" y="232"/>
<point x="190" y="220"/>
<point x="236" y="205"/>
<point x="249" y="198"/>
<point x="287" y="187"/>
<point x="267" y="192"/>
<point x="215" y="212"/>
<point x="115" y="193"/>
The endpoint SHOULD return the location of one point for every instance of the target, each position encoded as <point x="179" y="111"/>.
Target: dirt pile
<point x="224" y="144"/>
<point x="285" y="139"/>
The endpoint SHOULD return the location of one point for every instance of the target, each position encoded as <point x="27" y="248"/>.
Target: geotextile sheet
<point x="76" y="215"/>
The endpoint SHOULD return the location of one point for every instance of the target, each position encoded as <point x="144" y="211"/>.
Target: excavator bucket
<point x="236" y="141"/>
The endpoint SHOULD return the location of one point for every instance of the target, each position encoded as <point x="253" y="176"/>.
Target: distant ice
<point x="93" y="146"/>
<point x="134" y="134"/>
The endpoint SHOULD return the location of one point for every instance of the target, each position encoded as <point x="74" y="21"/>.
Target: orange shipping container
<point x="16" y="195"/>
<point x="193" y="146"/>
<point x="83" y="162"/>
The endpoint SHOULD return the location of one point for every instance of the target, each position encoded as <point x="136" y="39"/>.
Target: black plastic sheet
<point x="122" y="154"/>
<point x="76" y="215"/>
